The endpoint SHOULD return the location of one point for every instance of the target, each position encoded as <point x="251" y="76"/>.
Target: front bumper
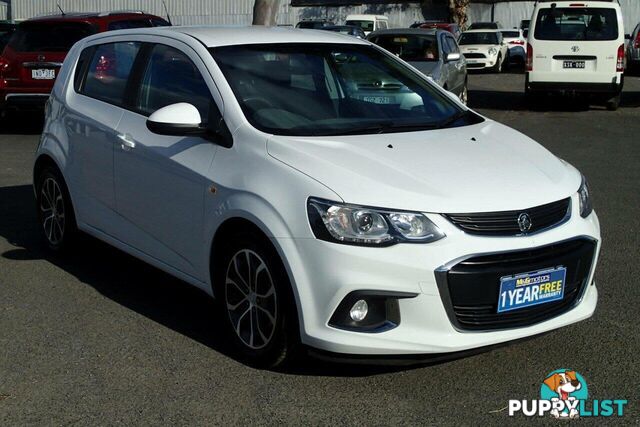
<point x="324" y="273"/>
<point x="480" y="63"/>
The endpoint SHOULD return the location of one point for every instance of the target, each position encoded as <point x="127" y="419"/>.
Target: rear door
<point x="101" y="80"/>
<point x="578" y="43"/>
<point x="37" y="49"/>
<point x="161" y="181"/>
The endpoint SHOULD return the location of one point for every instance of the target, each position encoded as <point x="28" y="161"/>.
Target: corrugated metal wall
<point x="216" y="12"/>
<point x="3" y="11"/>
<point x="239" y="12"/>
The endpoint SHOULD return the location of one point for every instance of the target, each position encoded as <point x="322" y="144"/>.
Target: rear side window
<point x="170" y="78"/>
<point x="564" y="23"/>
<point x="109" y="70"/>
<point x="129" y="23"/>
<point x="49" y="36"/>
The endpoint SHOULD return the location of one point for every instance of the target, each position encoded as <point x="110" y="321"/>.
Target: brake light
<point x="636" y="44"/>
<point x="529" y="63"/>
<point x="518" y="42"/>
<point x="620" y="62"/>
<point x="103" y="67"/>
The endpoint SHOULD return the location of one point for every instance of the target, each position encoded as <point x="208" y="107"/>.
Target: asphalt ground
<point x="98" y="337"/>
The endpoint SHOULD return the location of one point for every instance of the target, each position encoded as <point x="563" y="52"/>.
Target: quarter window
<point x="109" y="71"/>
<point x="171" y="78"/>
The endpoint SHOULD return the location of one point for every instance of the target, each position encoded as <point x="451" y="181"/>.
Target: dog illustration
<point x="564" y="383"/>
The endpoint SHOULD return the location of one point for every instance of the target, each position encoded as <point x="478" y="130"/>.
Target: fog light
<point x="359" y="310"/>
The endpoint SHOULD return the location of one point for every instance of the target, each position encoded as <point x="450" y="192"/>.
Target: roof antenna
<point x="166" y="10"/>
<point x="61" y="11"/>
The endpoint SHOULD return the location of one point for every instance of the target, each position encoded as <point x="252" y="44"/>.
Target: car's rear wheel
<point x="256" y="294"/>
<point x="54" y="209"/>
<point x="613" y="103"/>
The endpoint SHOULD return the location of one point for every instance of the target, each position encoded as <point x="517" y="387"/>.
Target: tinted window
<point x="511" y="34"/>
<point x="365" y="25"/>
<point x="49" y="36"/>
<point x="576" y="24"/>
<point x="331" y="89"/>
<point x="382" y="25"/>
<point x="109" y="70"/>
<point x="410" y="47"/>
<point x="484" y="26"/>
<point x="129" y="23"/>
<point x="479" y="38"/>
<point x="170" y="78"/>
<point x="159" y="22"/>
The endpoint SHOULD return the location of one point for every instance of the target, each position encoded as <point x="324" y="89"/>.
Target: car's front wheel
<point x="256" y="294"/>
<point x="54" y="209"/>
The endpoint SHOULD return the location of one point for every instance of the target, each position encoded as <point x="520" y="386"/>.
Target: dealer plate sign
<point x="528" y="289"/>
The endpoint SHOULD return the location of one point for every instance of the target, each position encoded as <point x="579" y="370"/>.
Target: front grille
<point x="469" y="290"/>
<point x="477" y="65"/>
<point x="475" y="55"/>
<point x="506" y="223"/>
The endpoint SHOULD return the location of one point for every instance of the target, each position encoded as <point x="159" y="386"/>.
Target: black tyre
<point x="613" y="103"/>
<point x="256" y="295"/>
<point x="54" y="210"/>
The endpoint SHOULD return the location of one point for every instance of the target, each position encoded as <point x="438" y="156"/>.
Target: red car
<point x="34" y="54"/>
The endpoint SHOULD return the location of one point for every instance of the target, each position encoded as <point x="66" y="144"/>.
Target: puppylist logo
<point x="564" y="394"/>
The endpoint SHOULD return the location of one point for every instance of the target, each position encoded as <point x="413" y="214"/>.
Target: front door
<point x="161" y="181"/>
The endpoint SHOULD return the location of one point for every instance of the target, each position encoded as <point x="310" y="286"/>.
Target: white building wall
<point x="3" y="11"/>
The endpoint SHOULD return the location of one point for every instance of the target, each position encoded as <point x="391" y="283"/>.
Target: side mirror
<point x="454" y="56"/>
<point x="180" y="119"/>
<point x="627" y="36"/>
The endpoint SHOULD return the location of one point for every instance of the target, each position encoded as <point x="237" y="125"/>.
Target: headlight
<point x="359" y="225"/>
<point x="585" y="199"/>
<point x="493" y="51"/>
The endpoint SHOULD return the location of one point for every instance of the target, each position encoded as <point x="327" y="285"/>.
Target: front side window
<point x="171" y="77"/>
<point x="410" y="47"/>
<point x="453" y="46"/>
<point x="564" y="23"/>
<point x="332" y="89"/>
<point x="49" y="36"/>
<point x="479" y="38"/>
<point x="109" y="70"/>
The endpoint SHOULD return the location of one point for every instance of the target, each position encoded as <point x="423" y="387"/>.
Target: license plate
<point x="573" y="64"/>
<point x="379" y="99"/>
<point x="528" y="289"/>
<point x="42" y="74"/>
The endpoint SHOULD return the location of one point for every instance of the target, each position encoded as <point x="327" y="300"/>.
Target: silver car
<point x="433" y="52"/>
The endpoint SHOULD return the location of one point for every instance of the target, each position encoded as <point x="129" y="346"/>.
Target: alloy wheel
<point x="52" y="211"/>
<point x="251" y="299"/>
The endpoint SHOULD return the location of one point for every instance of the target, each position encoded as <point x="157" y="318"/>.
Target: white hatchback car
<point x="324" y="191"/>
<point x="484" y="49"/>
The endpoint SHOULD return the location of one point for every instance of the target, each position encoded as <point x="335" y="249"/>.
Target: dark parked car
<point x="434" y="52"/>
<point x="439" y="25"/>
<point x="34" y="54"/>
<point x="346" y="29"/>
<point x="633" y="51"/>
<point x="314" y="24"/>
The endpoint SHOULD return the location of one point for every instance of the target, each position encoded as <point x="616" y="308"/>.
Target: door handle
<point x="126" y="142"/>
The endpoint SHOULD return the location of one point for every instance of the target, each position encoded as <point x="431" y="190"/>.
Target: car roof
<point x="365" y="16"/>
<point x="212" y="36"/>
<point x="411" y="31"/>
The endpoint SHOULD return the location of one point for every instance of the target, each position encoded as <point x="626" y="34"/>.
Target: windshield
<point x="409" y="47"/>
<point x="332" y="89"/>
<point x="511" y="34"/>
<point x="484" y="26"/>
<point x="478" y="38"/>
<point x="365" y="25"/>
<point x="49" y="37"/>
<point x="577" y="24"/>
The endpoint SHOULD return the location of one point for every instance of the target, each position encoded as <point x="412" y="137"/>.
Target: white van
<point x="576" y="47"/>
<point x="368" y="23"/>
